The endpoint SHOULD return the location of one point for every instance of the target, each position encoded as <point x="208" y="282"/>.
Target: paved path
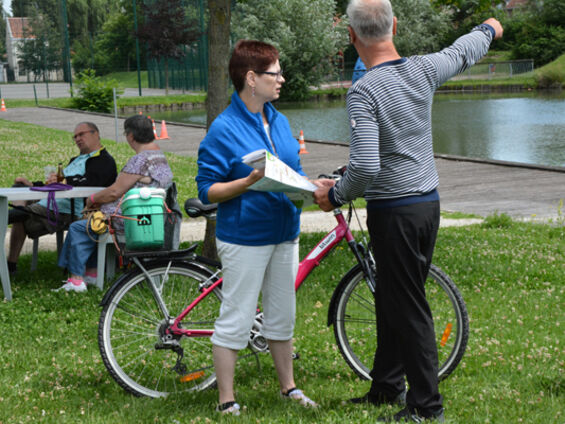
<point x="476" y="187"/>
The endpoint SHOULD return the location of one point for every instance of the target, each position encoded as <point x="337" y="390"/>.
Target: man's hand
<point x="321" y="196"/>
<point x="24" y="181"/>
<point x="497" y="27"/>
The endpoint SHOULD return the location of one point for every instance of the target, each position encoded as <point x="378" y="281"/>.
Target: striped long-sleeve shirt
<point x="391" y="151"/>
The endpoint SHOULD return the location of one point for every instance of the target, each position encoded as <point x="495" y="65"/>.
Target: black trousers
<point x="403" y="240"/>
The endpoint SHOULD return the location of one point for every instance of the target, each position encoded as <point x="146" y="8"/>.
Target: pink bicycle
<point x="157" y="319"/>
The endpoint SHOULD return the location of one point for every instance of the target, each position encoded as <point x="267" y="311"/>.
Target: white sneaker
<point x="229" y="408"/>
<point x="298" y="396"/>
<point x="68" y="286"/>
<point x="89" y="280"/>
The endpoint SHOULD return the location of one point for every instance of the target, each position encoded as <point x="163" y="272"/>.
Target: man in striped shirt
<point x="391" y="164"/>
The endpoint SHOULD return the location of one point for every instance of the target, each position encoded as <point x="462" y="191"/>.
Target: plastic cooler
<point x="147" y="228"/>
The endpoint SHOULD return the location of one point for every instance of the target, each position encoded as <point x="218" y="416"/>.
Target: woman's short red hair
<point x="250" y="55"/>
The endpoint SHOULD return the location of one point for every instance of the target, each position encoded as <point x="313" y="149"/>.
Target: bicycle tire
<point x="353" y="316"/>
<point x="131" y="327"/>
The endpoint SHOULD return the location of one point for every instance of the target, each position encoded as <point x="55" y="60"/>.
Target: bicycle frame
<point x="312" y="260"/>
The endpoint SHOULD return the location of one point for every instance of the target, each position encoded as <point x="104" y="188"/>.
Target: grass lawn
<point x="511" y="276"/>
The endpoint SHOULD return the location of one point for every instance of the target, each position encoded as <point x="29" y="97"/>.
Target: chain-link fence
<point x="492" y="70"/>
<point x="57" y="38"/>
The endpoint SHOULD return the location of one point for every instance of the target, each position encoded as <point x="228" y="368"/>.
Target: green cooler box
<point x="146" y="230"/>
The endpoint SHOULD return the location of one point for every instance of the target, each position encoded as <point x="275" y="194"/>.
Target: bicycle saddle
<point x="195" y="208"/>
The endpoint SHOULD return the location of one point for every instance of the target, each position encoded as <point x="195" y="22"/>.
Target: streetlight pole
<point x="136" y="46"/>
<point x="67" y="55"/>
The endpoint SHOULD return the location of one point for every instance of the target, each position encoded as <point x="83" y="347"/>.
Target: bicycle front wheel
<point x="132" y="330"/>
<point x="355" y="322"/>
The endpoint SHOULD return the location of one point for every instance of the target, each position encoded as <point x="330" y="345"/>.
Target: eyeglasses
<point x="275" y="74"/>
<point x="80" y="134"/>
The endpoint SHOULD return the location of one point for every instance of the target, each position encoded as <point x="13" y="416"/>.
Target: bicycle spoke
<point x="131" y="324"/>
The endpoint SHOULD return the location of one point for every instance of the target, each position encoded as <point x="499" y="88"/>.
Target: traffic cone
<point x="303" y="150"/>
<point x="154" y="129"/>
<point x="3" y="108"/>
<point x="164" y="134"/>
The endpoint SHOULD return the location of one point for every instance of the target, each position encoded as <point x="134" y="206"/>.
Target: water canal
<point x="525" y="127"/>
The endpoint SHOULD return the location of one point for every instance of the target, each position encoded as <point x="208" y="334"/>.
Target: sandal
<point x="231" y="408"/>
<point x="298" y="396"/>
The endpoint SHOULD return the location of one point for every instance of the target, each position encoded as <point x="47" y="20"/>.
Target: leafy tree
<point x="536" y="32"/>
<point x="421" y="28"/>
<point x="307" y="35"/>
<point x="166" y="30"/>
<point x="41" y="53"/>
<point x="464" y="10"/>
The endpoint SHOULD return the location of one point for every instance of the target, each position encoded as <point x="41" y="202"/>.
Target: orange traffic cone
<point x="303" y="150"/>
<point x="154" y="129"/>
<point x="164" y="134"/>
<point x="3" y="108"/>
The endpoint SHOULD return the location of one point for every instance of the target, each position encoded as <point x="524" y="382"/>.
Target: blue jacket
<point x="254" y="218"/>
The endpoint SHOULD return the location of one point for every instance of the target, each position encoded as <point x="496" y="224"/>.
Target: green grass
<point x="128" y="79"/>
<point x="34" y="147"/>
<point x="511" y="277"/>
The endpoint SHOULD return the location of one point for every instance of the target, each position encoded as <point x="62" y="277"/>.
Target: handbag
<point x="96" y="221"/>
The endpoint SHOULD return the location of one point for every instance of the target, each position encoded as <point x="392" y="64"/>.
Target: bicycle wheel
<point x="353" y="316"/>
<point x="131" y="331"/>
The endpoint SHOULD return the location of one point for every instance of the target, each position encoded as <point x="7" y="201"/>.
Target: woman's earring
<point x="252" y="91"/>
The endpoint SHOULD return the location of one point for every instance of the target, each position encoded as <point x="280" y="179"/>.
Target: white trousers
<point x="248" y="271"/>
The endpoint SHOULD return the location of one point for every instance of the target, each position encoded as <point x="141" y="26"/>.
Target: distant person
<point x="93" y="167"/>
<point x="358" y="71"/>
<point x="147" y="168"/>
<point x="391" y="164"/>
<point x="256" y="232"/>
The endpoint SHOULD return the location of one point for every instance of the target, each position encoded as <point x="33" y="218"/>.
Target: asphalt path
<point x="469" y="186"/>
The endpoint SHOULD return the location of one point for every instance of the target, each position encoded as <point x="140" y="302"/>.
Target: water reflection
<point x="520" y="127"/>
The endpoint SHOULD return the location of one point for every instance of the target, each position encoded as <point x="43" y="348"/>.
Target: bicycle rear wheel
<point x="355" y="322"/>
<point x="131" y="332"/>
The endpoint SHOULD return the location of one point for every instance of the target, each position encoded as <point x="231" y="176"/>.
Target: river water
<point x="527" y="128"/>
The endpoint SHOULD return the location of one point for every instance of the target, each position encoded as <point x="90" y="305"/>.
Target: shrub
<point x="93" y="93"/>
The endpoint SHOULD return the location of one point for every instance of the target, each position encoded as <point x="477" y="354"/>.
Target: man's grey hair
<point x="371" y="19"/>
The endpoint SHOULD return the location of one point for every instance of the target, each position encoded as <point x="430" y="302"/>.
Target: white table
<point x="24" y="193"/>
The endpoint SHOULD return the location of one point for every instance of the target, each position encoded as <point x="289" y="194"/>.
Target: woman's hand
<point x="255" y="176"/>
<point x="221" y="192"/>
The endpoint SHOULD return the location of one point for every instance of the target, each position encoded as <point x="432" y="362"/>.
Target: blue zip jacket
<point x="254" y="218"/>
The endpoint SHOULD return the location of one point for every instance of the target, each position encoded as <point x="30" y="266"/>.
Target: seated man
<point x="94" y="166"/>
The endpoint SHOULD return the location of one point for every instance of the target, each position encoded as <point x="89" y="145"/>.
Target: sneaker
<point x="90" y="280"/>
<point x="380" y="399"/>
<point x="229" y="408"/>
<point x="411" y="415"/>
<point x="298" y="396"/>
<point x="70" y="286"/>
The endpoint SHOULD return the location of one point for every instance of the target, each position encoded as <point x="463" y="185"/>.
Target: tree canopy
<point x="308" y="36"/>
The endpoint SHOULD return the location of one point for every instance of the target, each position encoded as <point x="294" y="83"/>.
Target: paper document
<point x="279" y="177"/>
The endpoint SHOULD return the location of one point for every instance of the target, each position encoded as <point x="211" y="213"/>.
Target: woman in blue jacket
<point x="256" y="232"/>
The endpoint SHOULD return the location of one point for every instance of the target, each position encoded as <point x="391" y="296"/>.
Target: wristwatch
<point x="487" y="29"/>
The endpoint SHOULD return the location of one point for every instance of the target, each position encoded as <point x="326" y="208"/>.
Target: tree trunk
<point x="217" y="100"/>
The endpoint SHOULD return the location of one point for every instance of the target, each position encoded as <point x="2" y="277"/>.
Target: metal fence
<point x="492" y="70"/>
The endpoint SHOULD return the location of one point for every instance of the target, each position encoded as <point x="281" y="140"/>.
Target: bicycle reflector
<point x="446" y="334"/>
<point x="192" y="376"/>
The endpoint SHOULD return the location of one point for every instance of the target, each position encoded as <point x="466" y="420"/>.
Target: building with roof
<point x="18" y="30"/>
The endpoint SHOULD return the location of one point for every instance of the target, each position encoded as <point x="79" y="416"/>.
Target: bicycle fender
<point x="339" y="289"/>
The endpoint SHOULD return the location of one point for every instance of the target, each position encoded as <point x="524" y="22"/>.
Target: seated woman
<point x="148" y="168"/>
